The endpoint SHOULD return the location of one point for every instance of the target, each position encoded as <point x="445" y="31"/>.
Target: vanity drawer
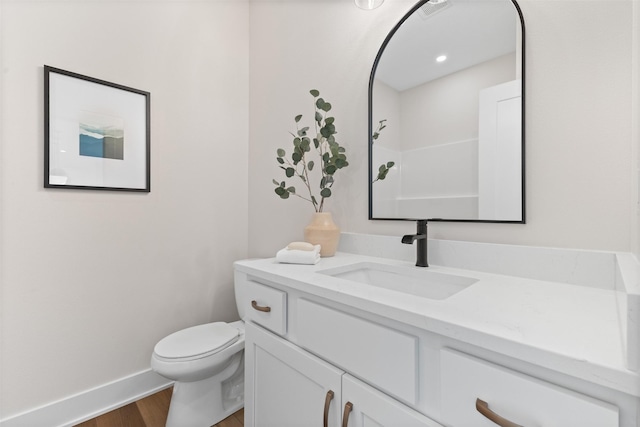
<point x="521" y="399"/>
<point x="263" y="305"/>
<point x="387" y="358"/>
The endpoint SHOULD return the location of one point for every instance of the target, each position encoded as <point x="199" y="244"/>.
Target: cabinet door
<point x="371" y="408"/>
<point x="286" y="386"/>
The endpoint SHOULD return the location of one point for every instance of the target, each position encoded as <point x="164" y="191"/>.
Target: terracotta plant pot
<point x="324" y="232"/>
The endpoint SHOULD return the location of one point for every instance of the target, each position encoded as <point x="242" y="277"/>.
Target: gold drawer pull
<point x="483" y="408"/>
<point x="327" y="404"/>
<point x="255" y="305"/>
<point x="348" y="407"/>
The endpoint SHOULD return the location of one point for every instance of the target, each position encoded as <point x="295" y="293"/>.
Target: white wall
<point x="446" y="110"/>
<point x="92" y="280"/>
<point x="635" y="132"/>
<point x="578" y="121"/>
<point x="295" y="47"/>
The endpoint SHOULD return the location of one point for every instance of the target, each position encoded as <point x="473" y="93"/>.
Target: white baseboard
<point x="91" y="403"/>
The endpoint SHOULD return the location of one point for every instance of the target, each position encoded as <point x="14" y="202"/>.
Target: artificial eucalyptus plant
<point x="331" y="156"/>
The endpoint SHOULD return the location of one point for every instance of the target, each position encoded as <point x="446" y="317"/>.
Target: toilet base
<point x="206" y="402"/>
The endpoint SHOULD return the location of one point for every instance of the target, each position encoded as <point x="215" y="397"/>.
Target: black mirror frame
<point x="370" y="121"/>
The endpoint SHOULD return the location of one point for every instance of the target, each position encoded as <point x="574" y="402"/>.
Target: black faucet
<point x="421" y="237"/>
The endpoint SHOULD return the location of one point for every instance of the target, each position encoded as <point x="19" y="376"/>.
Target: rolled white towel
<point x="296" y="256"/>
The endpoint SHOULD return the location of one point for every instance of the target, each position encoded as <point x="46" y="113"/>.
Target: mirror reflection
<point x="445" y="113"/>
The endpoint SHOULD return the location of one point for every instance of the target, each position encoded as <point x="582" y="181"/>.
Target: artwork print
<point x="101" y="136"/>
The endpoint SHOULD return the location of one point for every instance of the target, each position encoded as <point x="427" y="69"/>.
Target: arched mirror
<point x="446" y="116"/>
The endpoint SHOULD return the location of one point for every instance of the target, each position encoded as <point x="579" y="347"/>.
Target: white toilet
<point x="207" y="364"/>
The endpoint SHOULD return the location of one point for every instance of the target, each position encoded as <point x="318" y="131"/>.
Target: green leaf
<point x="326" y="181"/>
<point x="381" y="168"/>
<point x="284" y="195"/>
<point x="316" y="143"/>
<point x="281" y="152"/>
<point x="298" y="117"/>
<point x="330" y="120"/>
<point x="314" y="92"/>
<point x="310" y="165"/>
<point x="290" y="172"/>
<point x="282" y="184"/>
<point x="375" y="135"/>
<point x="318" y="117"/>
<point x="296" y="142"/>
<point x="330" y="169"/>
<point x="326" y="157"/>
<point x="303" y="131"/>
<point x="390" y="164"/>
<point x="326" y="192"/>
<point x="342" y="150"/>
<point x="280" y="191"/>
<point x="275" y="182"/>
<point x="320" y="103"/>
<point x="296" y="157"/>
<point x="340" y="163"/>
<point x="292" y="190"/>
<point x="325" y="106"/>
<point x="306" y="144"/>
<point x="328" y="130"/>
<point x="280" y="160"/>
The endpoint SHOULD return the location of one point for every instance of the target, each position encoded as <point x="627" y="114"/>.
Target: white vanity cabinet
<point x="286" y="386"/>
<point x="314" y="354"/>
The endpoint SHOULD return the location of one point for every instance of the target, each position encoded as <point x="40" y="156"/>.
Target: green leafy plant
<point x="384" y="168"/>
<point x="331" y="156"/>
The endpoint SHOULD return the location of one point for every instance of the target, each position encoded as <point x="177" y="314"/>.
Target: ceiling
<point x="469" y="32"/>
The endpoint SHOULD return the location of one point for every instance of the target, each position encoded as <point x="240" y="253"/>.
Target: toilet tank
<point x="242" y="299"/>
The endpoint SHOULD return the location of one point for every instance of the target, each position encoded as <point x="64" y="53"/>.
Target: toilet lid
<point x="197" y="340"/>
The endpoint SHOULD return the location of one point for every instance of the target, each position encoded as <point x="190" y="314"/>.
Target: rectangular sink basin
<point x="415" y="281"/>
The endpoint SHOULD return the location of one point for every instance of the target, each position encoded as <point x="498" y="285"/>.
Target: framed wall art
<point x="96" y="134"/>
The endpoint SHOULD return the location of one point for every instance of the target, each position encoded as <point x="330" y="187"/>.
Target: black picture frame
<point x="96" y="134"/>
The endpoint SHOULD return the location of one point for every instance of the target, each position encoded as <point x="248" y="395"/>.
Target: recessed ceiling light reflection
<point x="368" y="4"/>
<point x="441" y="58"/>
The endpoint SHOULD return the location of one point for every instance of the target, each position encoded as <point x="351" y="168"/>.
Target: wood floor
<point x="150" y="412"/>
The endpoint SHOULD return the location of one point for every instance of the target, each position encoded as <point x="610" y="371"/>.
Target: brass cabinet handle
<point x="483" y="408"/>
<point x="348" y="407"/>
<point x="327" y="404"/>
<point x="255" y="305"/>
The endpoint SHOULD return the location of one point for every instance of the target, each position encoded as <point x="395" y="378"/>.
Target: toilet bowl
<point x="207" y="364"/>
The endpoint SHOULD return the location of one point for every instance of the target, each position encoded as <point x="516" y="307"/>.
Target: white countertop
<point x="568" y="328"/>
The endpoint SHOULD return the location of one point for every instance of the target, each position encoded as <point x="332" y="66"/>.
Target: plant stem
<point x="321" y="143"/>
<point x="305" y="178"/>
